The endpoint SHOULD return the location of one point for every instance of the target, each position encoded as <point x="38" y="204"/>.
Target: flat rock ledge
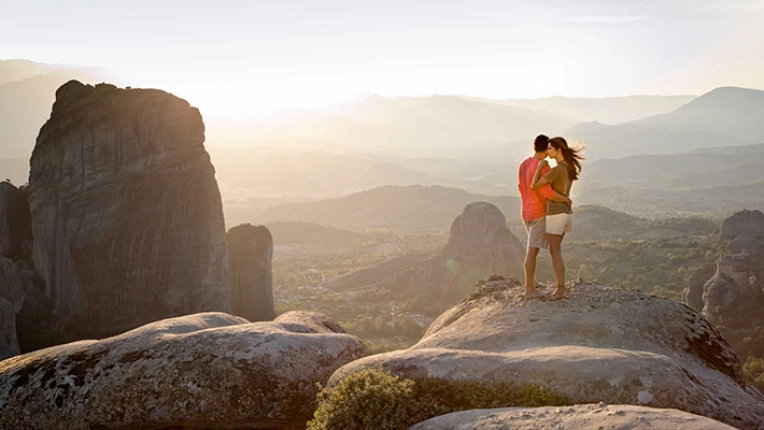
<point x="581" y="417"/>
<point x="601" y="344"/>
<point x="208" y="370"/>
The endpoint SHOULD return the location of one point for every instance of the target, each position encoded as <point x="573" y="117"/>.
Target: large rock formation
<point x="480" y="245"/>
<point x="600" y="344"/>
<point x="745" y="223"/>
<point x="126" y="214"/>
<point x="580" y="417"/>
<point x="207" y="370"/>
<point x="250" y="251"/>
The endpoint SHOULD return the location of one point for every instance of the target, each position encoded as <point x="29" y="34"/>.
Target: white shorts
<point x="559" y="223"/>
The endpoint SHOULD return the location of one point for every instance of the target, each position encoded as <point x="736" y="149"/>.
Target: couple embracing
<point x="546" y="207"/>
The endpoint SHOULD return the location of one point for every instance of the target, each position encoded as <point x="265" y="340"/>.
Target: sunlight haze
<point x="240" y="58"/>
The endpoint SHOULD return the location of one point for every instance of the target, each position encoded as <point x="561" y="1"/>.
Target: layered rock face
<point x="250" y="252"/>
<point x="745" y="223"/>
<point x="126" y="214"/>
<point x="600" y="344"/>
<point x="580" y="417"/>
<point x="208" y="370"/>
<point x="480" y="245"/>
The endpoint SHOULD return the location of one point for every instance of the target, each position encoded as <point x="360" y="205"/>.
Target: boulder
<point x="745" y="223"/>
<point x="209" y="370"/>
<point x="126" y="213"/>
<point x="582" y="417"/>
<point x="250" y="251"/>
<point x="480" y="244"/>
<point x="600" y="344"/>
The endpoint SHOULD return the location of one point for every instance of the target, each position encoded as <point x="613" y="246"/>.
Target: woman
<point x="559" y="214"/>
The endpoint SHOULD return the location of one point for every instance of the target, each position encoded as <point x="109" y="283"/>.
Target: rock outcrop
<point x="745" y="223"/>
<point x="126" y="213"/>
<point x="600" y="344"/>
<point x="480" y="245"/>
<point x="732" y="282"/>
<point x="580" y="417"/>
<point x="208" y="370"/>
<point x="692" y="295"/>
<point x="250" y="252"/>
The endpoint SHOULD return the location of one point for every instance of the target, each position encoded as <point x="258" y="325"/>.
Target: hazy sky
<point x="231" y="55"/>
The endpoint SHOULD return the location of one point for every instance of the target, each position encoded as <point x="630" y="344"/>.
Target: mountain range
<point x="27" y="92"/>
<point x="607" y="110"/>
<point x="412" y="207"/>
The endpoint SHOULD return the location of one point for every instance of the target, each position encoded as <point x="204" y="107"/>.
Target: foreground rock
<point x="126" y="213"/>
<point x="250" y="252"/>
<point x="583" y="417"/>
<point x="480" y="245"/>
<point x="207" y="370"/>
<point x="600" y="344"/>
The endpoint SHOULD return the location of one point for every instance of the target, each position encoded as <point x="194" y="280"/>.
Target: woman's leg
<point x="555" y="250"/>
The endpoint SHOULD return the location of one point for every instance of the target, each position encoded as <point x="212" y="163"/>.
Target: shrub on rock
<point x="374" y="398"/>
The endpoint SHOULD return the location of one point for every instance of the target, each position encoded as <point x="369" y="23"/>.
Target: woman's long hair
<point x="572" y="156"/>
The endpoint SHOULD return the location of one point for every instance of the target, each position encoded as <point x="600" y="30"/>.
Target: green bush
<point x="753" y="370"/>
<point x="376" y="399"/>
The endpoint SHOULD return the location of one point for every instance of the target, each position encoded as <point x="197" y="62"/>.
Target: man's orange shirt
<point x="533" y="201"/>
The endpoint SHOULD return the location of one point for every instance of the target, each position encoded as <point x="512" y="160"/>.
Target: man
<point x="534" y="212"/>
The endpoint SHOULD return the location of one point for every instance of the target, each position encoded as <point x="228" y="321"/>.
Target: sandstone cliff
<point x="600" y="344"/>
<point x="250" y="252"/>
<point x="480" y="245"/>
<point x="126" y="214"/>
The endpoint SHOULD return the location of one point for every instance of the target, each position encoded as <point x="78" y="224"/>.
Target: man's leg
<point x="536" y="230"/>
<point x="555" y="250"/>
<point x="531" y="254"/>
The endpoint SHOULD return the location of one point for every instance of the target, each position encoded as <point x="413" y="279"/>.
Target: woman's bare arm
<point x="539" y="182"/>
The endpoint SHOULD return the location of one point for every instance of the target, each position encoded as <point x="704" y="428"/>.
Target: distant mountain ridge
<point x="412" y="207"/>
<point x="731" y="111"/>
<point x="16" y="70"/>
<point x="25" y="105"/>
<point x="606" y="110"/>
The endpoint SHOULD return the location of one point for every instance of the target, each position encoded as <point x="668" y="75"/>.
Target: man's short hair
<point x="541" y="143"/>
